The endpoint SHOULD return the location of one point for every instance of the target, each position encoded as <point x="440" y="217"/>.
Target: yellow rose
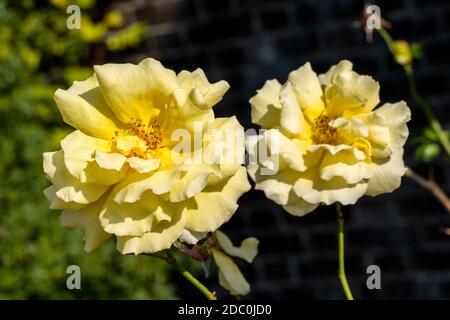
<point x="120" y="172"/>
<point x="332" y="145"/>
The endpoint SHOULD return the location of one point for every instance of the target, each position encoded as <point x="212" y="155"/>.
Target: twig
<point x="430" y="185"/>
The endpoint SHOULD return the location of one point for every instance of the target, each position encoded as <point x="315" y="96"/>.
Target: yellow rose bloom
<point x="120" y="172"/>
<point x="332" y="143"/>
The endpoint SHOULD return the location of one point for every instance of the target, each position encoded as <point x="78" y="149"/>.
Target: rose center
<point x="322" y="132"/>
<point x="139" y="140"/>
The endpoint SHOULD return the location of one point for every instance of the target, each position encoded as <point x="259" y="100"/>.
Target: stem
<point x="341" y="272"/>
<point x="431" y="186"/>
<point x="433" y="121"/>
<point x="420" y="101"/>
<point x="170" y="259"/>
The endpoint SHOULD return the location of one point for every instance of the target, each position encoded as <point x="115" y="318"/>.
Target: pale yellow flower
<point x="333" y="144"/>
<point x="119" y="173"/>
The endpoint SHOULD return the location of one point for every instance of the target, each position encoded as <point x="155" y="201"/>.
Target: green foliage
<point x="428" y="145"/>
<point x="37" y="55"/>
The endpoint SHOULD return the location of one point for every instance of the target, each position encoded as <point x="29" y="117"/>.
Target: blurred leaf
<point x="128" y="37"/>
<point x="417" y="50"/>
<point x="427" y="152"/>
<point x="430" y="134"/>
<point x="38" y="54"/>
<point x="114" y="19"/>
<point x="71" y="74"/>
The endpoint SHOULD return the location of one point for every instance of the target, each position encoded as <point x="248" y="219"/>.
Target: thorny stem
<point x="420" y="101"/>
<point x="341" y="271"/>
<point x="170" y="259"/>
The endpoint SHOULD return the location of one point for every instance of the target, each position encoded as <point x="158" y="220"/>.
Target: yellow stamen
<point x="322" y="132"/>
<point x="139" y="140"/>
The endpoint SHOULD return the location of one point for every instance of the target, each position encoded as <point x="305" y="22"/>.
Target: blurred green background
<point x="38" y="54"/>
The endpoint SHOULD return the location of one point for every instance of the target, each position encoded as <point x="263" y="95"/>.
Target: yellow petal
<point x="134" y="185"/>
<point x="247" y="250"/>
<point x="265" y="105"/>
<point x="345" y="165"/>
<point x="311" y="188"/>
<point x="161" y="236"/>
<point x="299" y="207"/>
<point x="87" y="219"/>
<point x="83" y="107"/>
<point x="396" y="115"/>
<point x="226" y="149"/>
<point x="58" y="204"/>
<point x="136" y="91"/>
<point x="79" y="149"/>
<point x="308" y="91"/>
<point x="351" y="128"/>
<point x="69" y="189"/>
<point x="202" y="93"/>
<point x="276" y="187"/>
<point x="350" y="93"/>
<point x="110" y="160"/>
<point x="387" y="174"/>
<point x="330" y="76"/>
<point x="135" y="219"/>
<point x="291" y="116"/>
<point x="290" y="151"/>
<point x="330" y="148"/>
<point x="230" y="277"/>
<point x="215" y="205"/>
<point x="144" y="165"/>
<point x="192" y="182"/>
<point x="95" y="174"/>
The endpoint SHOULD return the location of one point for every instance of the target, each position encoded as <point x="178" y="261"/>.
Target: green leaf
<point x="427" y="152"/>
<point x="417" y="50"/>
<point x="430" y="135"/>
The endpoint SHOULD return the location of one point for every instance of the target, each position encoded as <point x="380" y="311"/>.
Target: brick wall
<point x="248" y="41"/>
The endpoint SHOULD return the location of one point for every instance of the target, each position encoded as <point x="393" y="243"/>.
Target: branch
<point x="430" y="185"/>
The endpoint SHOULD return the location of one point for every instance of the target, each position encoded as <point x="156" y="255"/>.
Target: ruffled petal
<point x="79" y="149"/>
<point x="308" y="91"/>
<point x="137" y="218"/>
<point x="134" y="185"/>
<point x="350" y="93"/>
<point x="345" y="165"/>
<point x="395" y="116"/>
<point x="265" y="105"/>
<point x="211" y="208"/>
<point x="291" y="116"/>
<point x="69" y="189"/>
<point x="161" y="236"/>
<point x="83" y="107"/>
<point x="299" y="207"/>
<point x="247" y="250"/>
<point x="201" y="92"/>
<point x="136" y="91"/>
<point x="387" y="174"/>
<point x="87" y="219"/>
<point x="311" y="188"/>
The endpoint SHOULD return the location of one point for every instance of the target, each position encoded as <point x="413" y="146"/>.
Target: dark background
<point x="249" y="41"/>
